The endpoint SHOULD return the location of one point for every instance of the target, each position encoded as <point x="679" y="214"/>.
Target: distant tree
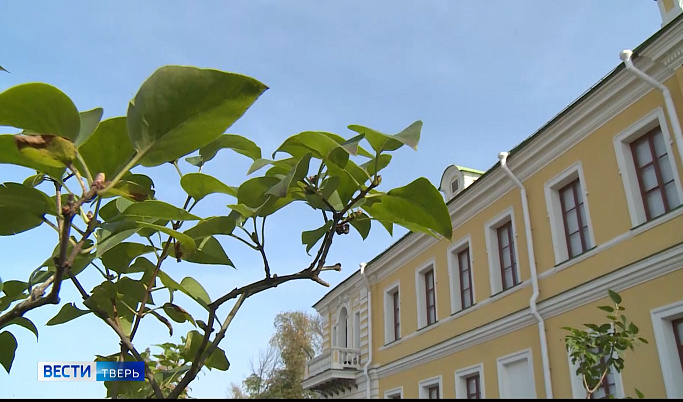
<point x="280" y="368"/>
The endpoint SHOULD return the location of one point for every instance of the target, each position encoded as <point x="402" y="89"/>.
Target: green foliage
<point x="280" y="368"/>
<point x="602" y="347"/>
<point x="84" y="181"/>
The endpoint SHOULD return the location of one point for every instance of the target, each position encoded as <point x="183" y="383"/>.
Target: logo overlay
<point x="91" y="371"/>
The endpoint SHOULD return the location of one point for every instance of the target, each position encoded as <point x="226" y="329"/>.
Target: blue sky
<point x="481" y="75"/>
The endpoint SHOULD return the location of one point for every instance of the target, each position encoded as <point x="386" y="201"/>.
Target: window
<point x="465" y="278"/>
<point x="667" y="322"/>
<point x="568" y="213"/>
<point x="395" y="393"/>
<point x="392" y="314"/>
<point x="356" y="330"/>
<point x="502" y="252"/>
<point x="472" y="386"/>
<point x="469" y="382"/>
<point x="431" y="388"/>
<point x="342" y="329"/>
<point x="516" y="376"/>
<point x="608" y="386"/>
<point x="648" y="169"/>
<point x="454" y="185"/>
<point x="506" y="253"/>
<point x="574" y="217"/>
<point x="425" y="286"/>
<point x="430" y="296"/>
<point x="655" y="174"/>
<point x="460" y="271"/>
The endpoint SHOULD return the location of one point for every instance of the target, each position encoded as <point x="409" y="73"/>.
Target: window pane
<point x="568" y="197"/>
<point x="665" y="169"/>
<point x="503" y="239"/>
<point x="575" y="244"/>
<point x="572" y="222"/>
<point x="506" y="258"/>
<point x="508" y="279"/>
<point x="672" y="195"/>
<point x="649" y="178"/>
<point x="658" y="139"/>
<point x="643" y="153"/>
<point x="468" y="298"/>
<point x="465" y="280"/>
<point x="655" y="204"/>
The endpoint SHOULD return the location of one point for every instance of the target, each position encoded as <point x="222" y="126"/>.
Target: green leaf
<point x="9" y="154"/>
<point x="640" y="394"/>
<point x="614" y="296"/>
<point x="3" y="69"/>
<point x="192" y="288"/>
<point x="108" y="149"/>
<point x="237" y="143"/>
<point x="311" y="237"/>
<point x="195" y="160"/>
<point x="14" y="221"/>
<point x="417" y="206"/>
<point x="185" y="240"/>
<point x="209" y="251"/>
<point x="218" y="360"/>
<point x="192" y="343"/>
<point x="213" y="225"/>
<point x="8" y="346"/>
<point x="89" y="121"/>
<point x="362" y="224"/>
<point x="50" y="150"/>
<point x="159" y="210"/>
<point x="252" y="193"/>
<point x="258" y="164"/>
<point x="632" y="328"/>
<point x="15" y="195"/>
<point x="382" y="161"/>
<point x="318" y="144"/>
<point x="351" y="145"/>
<point x="14" y="288"/>
<point x="178" y="314"/>
<point x="112" y="234"/>
<point x="66" y="314"/>
<point x="181" y="109"/>
<point x="383" y="142"/>
<point x="40" y="108"/>
<point x="119" y="257"/>
<point x="199" y="185"/>
<point x="297" y="173"/>
<point x="23" y="322"/>
<point x="134" y="187"/>
<point x="606" y="308"/>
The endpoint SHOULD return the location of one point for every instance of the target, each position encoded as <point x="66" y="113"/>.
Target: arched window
<point x="343" y="329"/>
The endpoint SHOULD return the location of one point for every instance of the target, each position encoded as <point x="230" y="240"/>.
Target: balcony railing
<point x="334" y="359"/>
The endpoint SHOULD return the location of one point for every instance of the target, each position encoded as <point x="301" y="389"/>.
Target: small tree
<point x="89" y="186"/>
<point x="597" y="351"/>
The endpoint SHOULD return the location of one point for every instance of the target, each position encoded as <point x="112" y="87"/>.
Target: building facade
<point x="590" y="202"/>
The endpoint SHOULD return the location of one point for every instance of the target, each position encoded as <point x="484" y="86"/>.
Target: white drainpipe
<point x="625" y="56"/>
<point x="534" y="277"/>
<point x="367" y="363"/>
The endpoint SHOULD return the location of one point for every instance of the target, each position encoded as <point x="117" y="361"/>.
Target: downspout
<point x="534" y="277"/>
<point x="625" y="56"/>
<point x="367" y="363"/>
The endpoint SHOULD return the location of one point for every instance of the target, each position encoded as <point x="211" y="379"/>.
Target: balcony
<point x="333" y="371"/>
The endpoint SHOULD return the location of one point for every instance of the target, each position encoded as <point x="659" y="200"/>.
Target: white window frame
<point x="461" y="380"/>
<point x="513" y="358"/>
<point x="424" y="384"/>
<point x="491" y="228"/>
<point x="389" y="312"/>
<point x="666" y="347"/>
<point x="393" y="392"/>
<point x="552" y="199"/>
<point x="579" y="392"/>
<point x="627" y="168"/>
<point x="356" y="330"/>
<point x="454" y="273"/>
<point x="421" y="293"/>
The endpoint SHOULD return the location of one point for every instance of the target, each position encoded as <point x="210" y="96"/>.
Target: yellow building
<point x="590" y="202"/>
